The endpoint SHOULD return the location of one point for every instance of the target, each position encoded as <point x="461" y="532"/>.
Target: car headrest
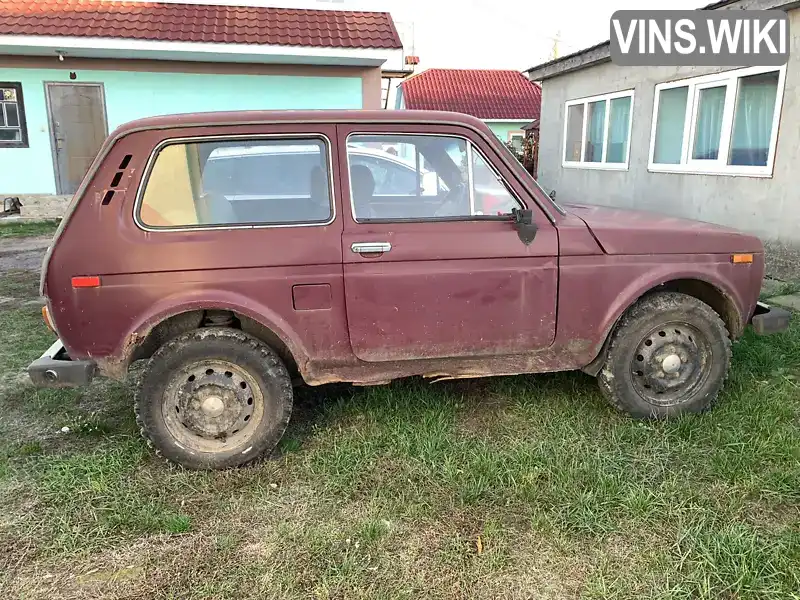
<point x="318" y="183"/>
<point x="363" y="183"/>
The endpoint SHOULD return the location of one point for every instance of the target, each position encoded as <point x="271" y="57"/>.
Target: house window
<point x="597" y="131"/>
<point x="517" y="140"/>
<point x="724" y="123"/>
<point x="12" y="117"/>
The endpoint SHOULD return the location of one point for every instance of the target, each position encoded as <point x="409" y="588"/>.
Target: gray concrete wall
<point x="768" y="207"/>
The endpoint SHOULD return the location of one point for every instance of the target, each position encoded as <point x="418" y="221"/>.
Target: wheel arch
<point x="168" y="322"/>
<point x="713" y="294"/>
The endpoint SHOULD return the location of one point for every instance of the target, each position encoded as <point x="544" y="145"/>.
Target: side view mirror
<point x="552" y="194"/>
<point x="523" y="223"/>
<point x="522" y="216"/>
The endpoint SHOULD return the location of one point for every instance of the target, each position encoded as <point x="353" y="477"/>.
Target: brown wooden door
<point x="78" y="128"/>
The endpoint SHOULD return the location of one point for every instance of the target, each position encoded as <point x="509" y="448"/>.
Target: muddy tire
<point x="669" y="355"/>
<point x="214" y="398"/>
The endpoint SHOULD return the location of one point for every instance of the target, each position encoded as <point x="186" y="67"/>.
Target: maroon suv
<point x="240" y="252"/>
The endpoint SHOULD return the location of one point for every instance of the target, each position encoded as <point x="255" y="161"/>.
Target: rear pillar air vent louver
<point x="117" y="179"/>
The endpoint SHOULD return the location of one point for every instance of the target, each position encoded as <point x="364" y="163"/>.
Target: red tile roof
<point x="161" y="21"/>
<point x="486" y="94"/>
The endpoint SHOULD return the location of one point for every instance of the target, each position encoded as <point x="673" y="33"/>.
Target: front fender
<point x="594" y="292"/>
<point x="664" y="275"/>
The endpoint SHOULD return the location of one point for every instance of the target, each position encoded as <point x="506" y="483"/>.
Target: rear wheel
<point x="669" y="355"/>
<point x="214" y="398"/>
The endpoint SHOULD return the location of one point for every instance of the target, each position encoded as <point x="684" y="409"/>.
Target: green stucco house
<point x="71" y="71"/>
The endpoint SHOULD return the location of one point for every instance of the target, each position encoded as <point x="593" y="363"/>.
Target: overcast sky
<point x="488" y="34"/>
<point x="503" y="34"/>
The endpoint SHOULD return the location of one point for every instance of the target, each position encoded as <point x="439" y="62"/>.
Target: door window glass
<point x="412" y="177"/>
<point x="238" y="182"/>
<point x="491" y="196"/>
<point x="392" y="178"/>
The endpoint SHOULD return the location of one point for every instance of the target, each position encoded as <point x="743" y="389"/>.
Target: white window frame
<point x="602" y="165"/>
<point x="719" y="166"/>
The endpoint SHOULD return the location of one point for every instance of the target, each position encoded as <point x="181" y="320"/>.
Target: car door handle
<point x="370" y="247"/>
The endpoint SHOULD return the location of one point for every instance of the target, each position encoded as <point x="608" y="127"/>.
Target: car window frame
<point x="471" y="147"/>
<point x="151" y="160"/>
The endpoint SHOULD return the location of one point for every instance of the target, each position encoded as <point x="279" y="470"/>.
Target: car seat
<point x="320" y="196"/>
<point x="362" y="184"/>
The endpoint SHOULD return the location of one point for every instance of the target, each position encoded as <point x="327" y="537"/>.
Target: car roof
<point x="300" y="116"/>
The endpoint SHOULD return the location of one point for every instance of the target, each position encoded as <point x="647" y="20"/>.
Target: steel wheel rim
<point x="670" y="364"/>
<point x="212" y="405"/>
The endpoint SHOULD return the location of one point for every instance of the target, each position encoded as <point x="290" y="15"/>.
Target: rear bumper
<point x="770" y="319"/>
<point x="56" y="369"/>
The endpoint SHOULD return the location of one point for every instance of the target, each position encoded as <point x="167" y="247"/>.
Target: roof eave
<point x="86" y="47"/>
<point x="600" y="53"/>
<point x="596" y="54"/>
<point x="508" y="119"/>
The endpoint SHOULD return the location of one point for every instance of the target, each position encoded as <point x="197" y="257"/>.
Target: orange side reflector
<point x="742" y="258"/>
<point x="86" y="282"/>
<point x="46" y="317"/>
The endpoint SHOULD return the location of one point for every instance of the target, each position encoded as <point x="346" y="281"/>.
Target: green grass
<point x="509" y="487"/>
<point x="786" y="289"/>
<point x="23" y="337"/>
<point x="19" y="284"/>
<point x="11" y="229"/>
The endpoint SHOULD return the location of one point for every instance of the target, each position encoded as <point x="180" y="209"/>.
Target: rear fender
<point x="116" y="365"/>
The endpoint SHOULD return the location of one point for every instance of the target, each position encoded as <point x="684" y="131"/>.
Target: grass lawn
<point x="522" y="487"/>
<point x="10" y="229"/>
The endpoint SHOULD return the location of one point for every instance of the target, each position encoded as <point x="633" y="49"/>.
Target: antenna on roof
<point x="554" y="52"/>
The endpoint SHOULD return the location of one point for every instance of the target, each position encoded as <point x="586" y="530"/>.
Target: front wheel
<point x="669" y="355"/>
<point x="214" y="398"/>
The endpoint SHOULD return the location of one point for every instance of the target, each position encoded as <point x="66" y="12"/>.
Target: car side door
<point x="434" y="278"/>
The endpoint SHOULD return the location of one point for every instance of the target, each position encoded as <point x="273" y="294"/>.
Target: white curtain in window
<point x="669" y="127"/>
<point x="752" y="124"/>
<point x="572" y="145"/>
<point x="594" y="131"/>
<point x="711" y="104"/>
<point x="618" y="123"/>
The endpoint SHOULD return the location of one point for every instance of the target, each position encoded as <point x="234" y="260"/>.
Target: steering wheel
<point x="453" y="204"/>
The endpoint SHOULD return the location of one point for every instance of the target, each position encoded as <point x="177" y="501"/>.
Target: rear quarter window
<point x="220" y="183"/>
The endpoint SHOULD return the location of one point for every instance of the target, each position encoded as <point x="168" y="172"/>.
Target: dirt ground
<point x="23" y="253"/>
